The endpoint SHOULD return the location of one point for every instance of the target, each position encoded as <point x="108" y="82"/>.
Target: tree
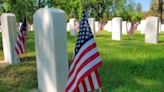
<point x="138" y="7"/>
<point x="21" y="8"/>
<point x="154" y="8"/>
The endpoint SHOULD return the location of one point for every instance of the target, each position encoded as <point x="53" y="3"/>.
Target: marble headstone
<point x="151" y="30"/>
<point x="9" y="34"/>
<point x="116" y="28"/>
<point x="51" y="49"/>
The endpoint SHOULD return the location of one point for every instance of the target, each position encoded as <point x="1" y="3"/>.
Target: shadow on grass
<point x="103" y="36"/>
<point x="18" y="78"/>
<point x="126" y="76"/>
<point x="161" y="42"/>
<point x="28" y="59"/>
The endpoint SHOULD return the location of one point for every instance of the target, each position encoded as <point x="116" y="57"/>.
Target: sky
<point x="145" y="4"/>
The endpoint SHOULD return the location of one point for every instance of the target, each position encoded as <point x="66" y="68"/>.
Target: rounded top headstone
<point x="8" y="14"/>
<point x="152" y="17"/>
<point x="117" y="18"/>
<point x="55" y="10"/>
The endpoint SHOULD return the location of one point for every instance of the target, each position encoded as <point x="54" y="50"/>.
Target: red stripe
<point x="23" y="39"/>
<point x="17" y="52"/>
<point x="84" y="86"/>
<point x="81" y="67"/>
<point x="73" y="57"/>
<point x="78" y="90"/>
<point x="81" y="55"/>
<point x="98" y="78"/>
<point x="20" y="47"/>
<point x="91" y="82"/>
<point x="86" y="74"/>
<point x="20" y="37"/>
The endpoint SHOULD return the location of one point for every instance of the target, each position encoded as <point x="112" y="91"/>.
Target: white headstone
<point x="151" y="30"/>
<point x="124" y="27"/>
<point x="162" y="27"/>
<point x="32" y="27"/>
<point x="72" y="26"/>
<point x="51" y="49"/>
<point x="92" y="24"/>
<point x="143" y="25"/>
<point x="139" y="27"/>
<point x="8" y="26"/>
<point x="97" y="26"/>
<point x="116" y="28"/>
<point x="68" y="28"/>
<point x="108" y="26"/>
<point x="129" y="25"/>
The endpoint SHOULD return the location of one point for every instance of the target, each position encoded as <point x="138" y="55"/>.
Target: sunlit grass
<point x="129" y="65"/>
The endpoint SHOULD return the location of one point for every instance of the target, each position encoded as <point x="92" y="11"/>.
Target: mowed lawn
<point x="129" y="65"/>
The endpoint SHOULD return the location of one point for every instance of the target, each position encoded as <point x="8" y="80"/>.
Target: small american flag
<point x="83" y="74"/>
<point x="21" y="38"/>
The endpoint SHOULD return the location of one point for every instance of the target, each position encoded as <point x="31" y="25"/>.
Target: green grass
<point x="129" y="65"/>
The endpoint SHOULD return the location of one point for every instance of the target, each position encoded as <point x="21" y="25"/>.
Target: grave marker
<point x="116" y="28"/>
<point x="151" y="30"/>
<point x="51" y="49"/>
<point x="8" y="27"/>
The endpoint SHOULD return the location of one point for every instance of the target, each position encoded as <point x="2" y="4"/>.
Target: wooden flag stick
<point x="26" y="29"/>
<point x="26" y="52"/>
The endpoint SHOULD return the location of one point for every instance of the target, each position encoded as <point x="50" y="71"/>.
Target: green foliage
<point x="21" y="8"/>
<point x="102" y="10"/>
<point x="137" y="16"/>
<point x="154" y="8"/>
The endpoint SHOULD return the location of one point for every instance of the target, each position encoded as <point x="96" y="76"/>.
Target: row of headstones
<point x="96" y="26"/>
<point x="151" y="29"/>
<point x="142" y="26"/>
<point x="73" y="26"/>
<point x="51" y="44"/>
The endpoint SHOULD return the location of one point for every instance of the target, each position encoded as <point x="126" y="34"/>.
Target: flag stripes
<point x="19" y="44"/>
<point x="90" y="82"/>
<point x="21" y="39"/>
<point x="87" y="58"/>
<point x="83" y="75"/>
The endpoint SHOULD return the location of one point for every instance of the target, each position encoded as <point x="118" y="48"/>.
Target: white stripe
<point x="88" y="43"/>
<point x="86" y="56"/>
<point x="84" y="70"/>
<point x="87" y="84"/>
<point x="94" y="79"/>
<point x="81" y="88"/>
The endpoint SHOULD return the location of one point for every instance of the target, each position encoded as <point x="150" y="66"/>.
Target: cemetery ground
<point x="129" y="65"/>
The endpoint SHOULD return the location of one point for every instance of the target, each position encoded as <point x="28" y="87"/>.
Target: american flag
<point x="21" y="38"/>
<point x="83" y="74"/>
